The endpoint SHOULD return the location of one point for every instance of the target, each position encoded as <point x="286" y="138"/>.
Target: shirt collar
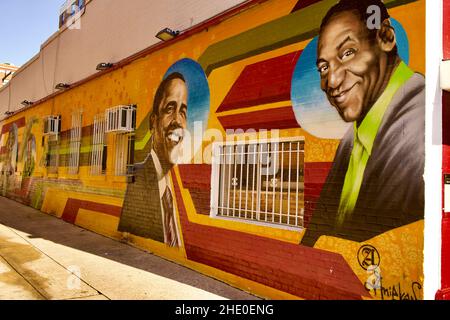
<point x="368" y="128"/>
<point x="157" y="163"/>
<point x="163" y="180"/>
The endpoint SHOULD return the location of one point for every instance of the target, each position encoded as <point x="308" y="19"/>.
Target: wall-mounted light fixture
<point x="445" y="75"/>
<point x="7" y="74"/>
<point x="104" y="66"/>
<point x="167" y="34"/>
<point x="26" y="103"/>
<point x="62" y="86"/>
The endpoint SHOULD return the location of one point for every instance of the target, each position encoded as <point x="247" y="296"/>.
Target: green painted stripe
<point x="66" y="151"/>
<point x="140" y="145"/>
<point x="295" y="27"/>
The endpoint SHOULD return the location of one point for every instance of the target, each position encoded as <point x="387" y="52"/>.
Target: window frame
<point x="99" y="150"/>
<point x="124" y="143"/>
<point x="216" y="189"/>
<point x="76" y="136"/>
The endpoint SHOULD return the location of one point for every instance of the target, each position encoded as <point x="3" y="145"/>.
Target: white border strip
<point x="433" y="151"/>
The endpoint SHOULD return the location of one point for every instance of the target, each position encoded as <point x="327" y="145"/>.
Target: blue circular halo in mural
<point x="311" y="107"/>
<point x="198" y="92"/>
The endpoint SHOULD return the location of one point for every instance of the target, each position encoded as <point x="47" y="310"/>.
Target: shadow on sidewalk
<point x="40" y="225"/>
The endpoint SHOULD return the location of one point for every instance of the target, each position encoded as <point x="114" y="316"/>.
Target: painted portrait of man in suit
<point x="376" y="180"/>
<point x="148" y="209"/>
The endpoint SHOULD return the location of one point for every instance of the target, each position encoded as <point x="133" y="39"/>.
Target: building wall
<point x="253" y="70"/>
<point x="6" y="69"/>
<point x="102" y="34"/>
<point x="445" y="280"/>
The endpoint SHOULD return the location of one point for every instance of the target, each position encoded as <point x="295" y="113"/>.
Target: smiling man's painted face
<point x="349" y="66"/>
<point x="170" y="123"/>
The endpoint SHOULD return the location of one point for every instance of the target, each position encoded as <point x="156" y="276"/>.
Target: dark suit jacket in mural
<point x="392" y="191"/>
<point x="141" y="211"/>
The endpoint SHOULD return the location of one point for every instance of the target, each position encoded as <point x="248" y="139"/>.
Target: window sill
<point x="259" y="223"/>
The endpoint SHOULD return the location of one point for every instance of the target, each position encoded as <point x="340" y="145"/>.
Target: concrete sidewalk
<point x="42" y="257"/>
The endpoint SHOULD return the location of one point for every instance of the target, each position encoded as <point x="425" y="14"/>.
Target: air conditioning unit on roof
<point x="52" y="125"/>
<point x="121" y="119"/>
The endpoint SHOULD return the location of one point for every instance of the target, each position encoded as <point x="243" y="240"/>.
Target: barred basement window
<point x="259" y="181"/>
<point x="99" y="148"/>
<point x="75" y="142"/>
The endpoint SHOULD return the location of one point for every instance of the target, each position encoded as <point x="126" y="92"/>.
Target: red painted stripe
<point x="295" y="269"/>
<point x="316" y="174"/>
<point x="278" y="118"/>
<point x="201" y="199"/>
<point x="446" y="131"/>
<point x="19" y="123"/>
<point x="445" y="250"/>
<point x="446" y="29"/>
<point x="263" y="82"/>
<point x="74" y="205"/>
<point x="197" y="178"/>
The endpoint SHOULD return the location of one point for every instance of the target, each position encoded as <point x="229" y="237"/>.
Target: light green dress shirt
<point x="364" y="138"/>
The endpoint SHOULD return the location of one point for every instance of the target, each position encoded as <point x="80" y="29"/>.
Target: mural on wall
<point x="27" y="153"/>
<point x="10" y="157"/>
<point x="332" y="210"/>
<point x="312" y="109"/>
<point x="148" y="209"/>
<point x="29" y="156"/>
<point x="377" y="174"/>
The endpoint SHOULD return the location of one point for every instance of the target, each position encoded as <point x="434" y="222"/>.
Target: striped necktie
<point x="169" y="223"/>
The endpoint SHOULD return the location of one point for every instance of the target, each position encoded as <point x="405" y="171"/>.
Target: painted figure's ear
<point x="152" y="121"/>
<point x="386" y="36"/>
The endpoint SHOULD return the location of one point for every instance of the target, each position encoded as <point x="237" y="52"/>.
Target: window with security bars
<point x="75" y="142"/>
<point x="99" y="147"/>
<point x="261" y="181"/>
<point x="124" y="154"/>
<point x="52" y="161"/>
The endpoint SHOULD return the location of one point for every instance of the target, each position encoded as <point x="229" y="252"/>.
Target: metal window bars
<point x="75" y="142"/>
<point x="261" y="181"/>
<point x="98" y="142"/>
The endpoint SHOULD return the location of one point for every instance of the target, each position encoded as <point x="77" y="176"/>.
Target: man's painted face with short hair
<point x="349" y="66"/>
<point x="170" y="122"/>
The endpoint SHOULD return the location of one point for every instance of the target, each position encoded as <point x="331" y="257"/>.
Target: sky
<point x="25" y="25"/>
